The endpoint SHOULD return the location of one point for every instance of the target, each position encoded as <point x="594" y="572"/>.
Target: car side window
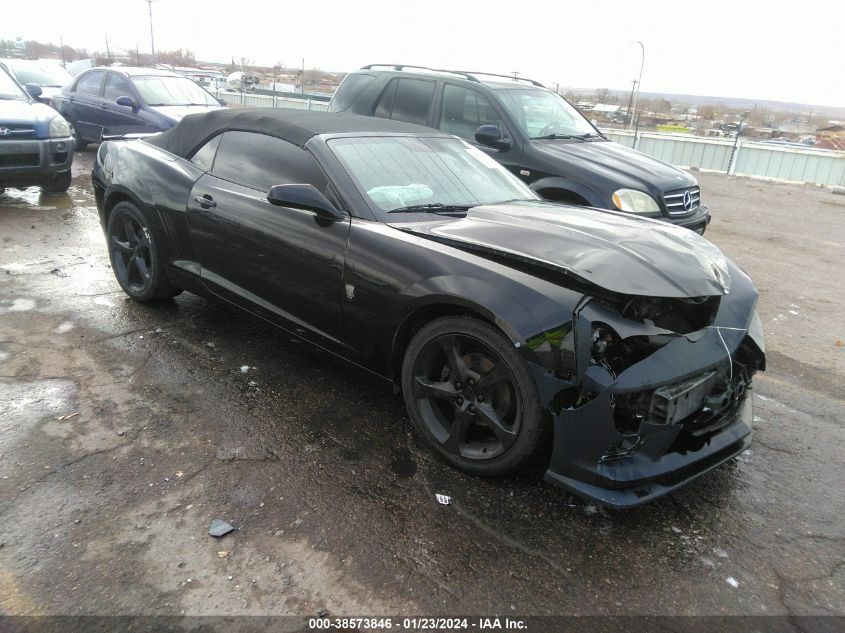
<point x="90" y="83"/>
<point x="204" y="156"/>
<point x="260" y="161"/>
<point x="406" y="100"/>
<point x="353" y="88"/>
<point x="116" y="86"/>
<point x="464" y="111"/>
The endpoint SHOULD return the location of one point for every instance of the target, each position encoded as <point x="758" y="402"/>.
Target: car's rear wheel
<point x="470" y="395"/>
<point x="78" y="144"/>
<point x="134" y="246"/>
<point x="58" y="183"/>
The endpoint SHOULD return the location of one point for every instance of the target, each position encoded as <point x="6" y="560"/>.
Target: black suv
<point x="533" y="132"/>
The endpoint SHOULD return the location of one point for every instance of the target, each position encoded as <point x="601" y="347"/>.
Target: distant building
<point x="831" y="137"/>
<point x="605" y="108"/>
<point x="796" y="129"/>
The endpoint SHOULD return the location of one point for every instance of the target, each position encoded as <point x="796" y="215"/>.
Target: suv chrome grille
<point x="677" y="202"/>
<point x="16" y="132"/>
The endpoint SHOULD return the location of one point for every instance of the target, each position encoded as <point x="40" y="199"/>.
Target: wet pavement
<point x="180" y="413"/>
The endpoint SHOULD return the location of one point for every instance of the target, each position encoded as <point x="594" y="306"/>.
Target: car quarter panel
<point x="156" y="181"/>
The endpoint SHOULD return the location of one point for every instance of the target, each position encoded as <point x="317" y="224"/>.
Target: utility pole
<point x="108" y="52"/>
<point x="630" y="101"/>
<point x="62" y="44"/>
<point x="152" y="41"/>
<point x="637" y="94"/>
<point x="302" y="79"/>
<point x="736" y="141"/>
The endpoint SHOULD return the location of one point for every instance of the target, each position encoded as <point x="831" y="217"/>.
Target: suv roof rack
<point x="466" y="74"/>
<point x="412" y="67"/>
<point x="511" y="77"/>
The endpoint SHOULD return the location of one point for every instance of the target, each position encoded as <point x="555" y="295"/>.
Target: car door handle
<point x="206" y="201"/>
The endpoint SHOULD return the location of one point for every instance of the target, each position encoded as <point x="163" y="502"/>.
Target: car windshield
<point x="42" y="76"/>
<point x="163" y="90"/>
<point x="542" y="113"/>
<point x="9" y="89"/>
<point x="438" y="175"/>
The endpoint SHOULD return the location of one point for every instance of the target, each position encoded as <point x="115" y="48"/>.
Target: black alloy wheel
<point x="134" y="253"/>
<point x="470" y="395"/>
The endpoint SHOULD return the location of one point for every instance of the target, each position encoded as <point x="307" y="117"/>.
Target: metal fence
<point x="761" y="160"/>
<point x="752" y="158"/>
<point x="248" y="100"/>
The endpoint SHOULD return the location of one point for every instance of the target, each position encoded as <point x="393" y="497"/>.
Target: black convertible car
<point x="619" y="348"/>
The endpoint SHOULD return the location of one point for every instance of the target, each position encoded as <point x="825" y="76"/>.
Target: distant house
<point x="605" y="113"/>
<point x="796" y="128"/>
<point x="605" y="108"/>
<point x="831" y="137"/>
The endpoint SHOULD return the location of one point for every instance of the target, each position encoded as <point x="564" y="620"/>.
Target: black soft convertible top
<point x="290" y="125"/>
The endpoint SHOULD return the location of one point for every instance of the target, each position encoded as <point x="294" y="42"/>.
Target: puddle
<point x="64" y="326"/>
<point x="26" y="403"/>
<point x="33" y="197"/>
<point x="18" y="305"/>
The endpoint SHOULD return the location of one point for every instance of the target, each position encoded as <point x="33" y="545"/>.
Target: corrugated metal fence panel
<point x="623" y="137"/>
<point x="824" y="167"/>
<point x="266" y="101"/>
<point x="230" y="98"/>
<point x="686" y="151"/>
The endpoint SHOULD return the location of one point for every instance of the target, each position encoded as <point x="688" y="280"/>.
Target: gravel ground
<point x="189" y="411"/>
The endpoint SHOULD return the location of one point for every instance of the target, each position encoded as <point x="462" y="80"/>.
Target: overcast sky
<point x="786" y="50"/>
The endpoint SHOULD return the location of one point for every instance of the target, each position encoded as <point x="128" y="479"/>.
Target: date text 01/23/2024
<point x="418" y="624"/>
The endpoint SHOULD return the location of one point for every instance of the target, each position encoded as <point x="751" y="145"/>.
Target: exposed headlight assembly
<point x="59" y="127"/>
<point x="634" y="201"/>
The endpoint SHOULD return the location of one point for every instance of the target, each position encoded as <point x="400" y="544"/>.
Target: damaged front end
<point x="659" y="395"/>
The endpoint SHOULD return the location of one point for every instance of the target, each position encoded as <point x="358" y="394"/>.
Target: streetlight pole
<point x="736" y="141"/>
<point x="639" y="84"/>
<point x="631" y="101"/>
<point x="152" y="42"/>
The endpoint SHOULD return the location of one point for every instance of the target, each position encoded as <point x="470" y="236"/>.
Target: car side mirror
<point x="129" y="102"/>
<point x="34" y="90"/>
<point x="305" y="197"/>
<point x="491" y="136"/>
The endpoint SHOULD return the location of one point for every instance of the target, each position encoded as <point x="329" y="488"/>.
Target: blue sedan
<point x="132" y="99"/>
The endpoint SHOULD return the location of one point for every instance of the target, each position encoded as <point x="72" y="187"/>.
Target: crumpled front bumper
<point x="664" y="456"/>
<point x="645" y="475"/>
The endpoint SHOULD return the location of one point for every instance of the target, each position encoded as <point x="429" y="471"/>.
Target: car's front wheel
<point x="134" y="246"/>
<point x="470" y="395"/>
<point x="58" y="183"/>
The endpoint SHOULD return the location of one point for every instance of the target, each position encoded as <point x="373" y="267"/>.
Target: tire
<point x="135" y="246"/>
<point x="487" y="423"/>
<point x="78" y="144"/>
<point x="58" y="183"/>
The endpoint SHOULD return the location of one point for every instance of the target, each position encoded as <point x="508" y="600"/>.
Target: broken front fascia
<point x="681" y="409"/>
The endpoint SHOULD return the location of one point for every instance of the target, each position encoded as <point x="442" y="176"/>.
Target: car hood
<point x="620" y="160"/>
<point x="620" y="253"/>
<point x="24" y="112"/>
<point x="177" y="112"/>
